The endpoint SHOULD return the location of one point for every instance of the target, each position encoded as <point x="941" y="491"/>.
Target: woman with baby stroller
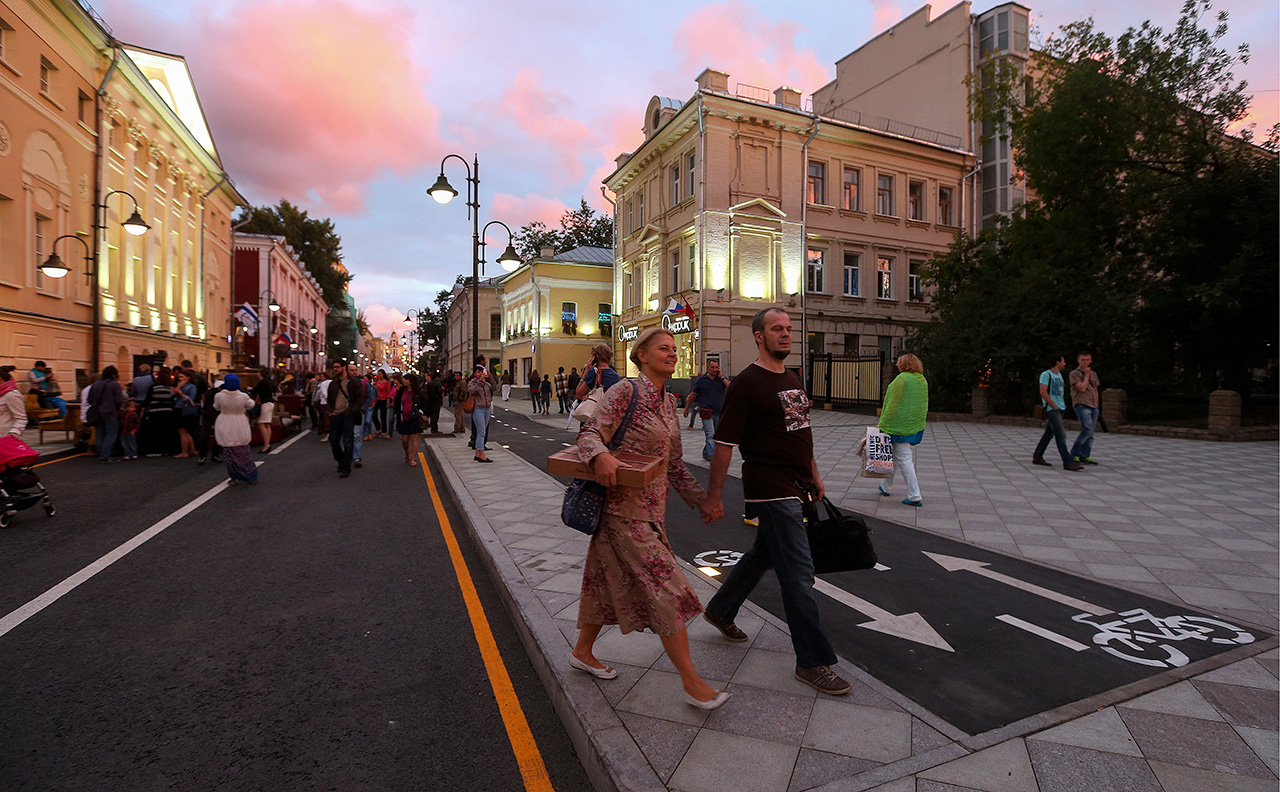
<point x="20" y="487"/>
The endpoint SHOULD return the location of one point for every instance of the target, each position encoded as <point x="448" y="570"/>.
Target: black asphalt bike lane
<point x="307" y="632"/>
<point x="1002" y="638"/>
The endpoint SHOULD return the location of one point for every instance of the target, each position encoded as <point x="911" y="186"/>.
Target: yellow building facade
<point x="555" y="308"/>
<point x="88" y="126"/>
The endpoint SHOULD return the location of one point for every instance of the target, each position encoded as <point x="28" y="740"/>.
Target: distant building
<point x="267" y="268"/>
<point x="457" y="346"/>
<point x="554" y="309"/>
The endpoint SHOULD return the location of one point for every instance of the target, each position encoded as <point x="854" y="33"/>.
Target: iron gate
<point x="845" y="380"/>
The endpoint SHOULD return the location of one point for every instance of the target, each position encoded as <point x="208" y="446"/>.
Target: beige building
<point x="740" y="200"/>
<point x="917" y="72"/>
<point x="88" y="126"/>
<point x="555" y="308"/>
<point x="457" y="341"/>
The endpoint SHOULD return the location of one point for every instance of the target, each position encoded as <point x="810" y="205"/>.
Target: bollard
<point x="1115" y="407"/>
<point x="1224" y="412"/>
<point x="981" y="402"/>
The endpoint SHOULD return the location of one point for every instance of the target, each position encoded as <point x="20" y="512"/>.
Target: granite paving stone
<point x="1005" y="767"/>
<point x="854" y="730"/>
<point x="815" y="768"/>
<point x="719" y="761"/>
<point x="1179" y="778"/>
<point x="1100" y="731"/>
<point x="1068" y="768"/>
<point x="663" y="743"/>
<point x="1240" y="705"/>
<point x="763" y="714"/>
<point x="1192" y="742"/>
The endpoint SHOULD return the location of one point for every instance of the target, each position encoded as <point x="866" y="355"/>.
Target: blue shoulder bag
<point x="583" y="498"/>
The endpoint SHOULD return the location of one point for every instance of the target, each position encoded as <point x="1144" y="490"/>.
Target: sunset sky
<point x="346" y="107"/>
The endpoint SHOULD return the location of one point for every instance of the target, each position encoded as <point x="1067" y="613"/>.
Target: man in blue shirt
<point x="1053" y="397"/>
<point x="708" y="395"/>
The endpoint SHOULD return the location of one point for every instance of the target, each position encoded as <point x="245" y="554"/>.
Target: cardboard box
<point x="637" y="470"/>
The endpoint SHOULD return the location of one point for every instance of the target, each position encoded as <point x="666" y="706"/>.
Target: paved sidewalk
<point x="1216" y="730"/>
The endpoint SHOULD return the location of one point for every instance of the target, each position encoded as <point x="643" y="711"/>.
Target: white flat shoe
<point x="720" y="698"/>
<point x="598" y="673"/>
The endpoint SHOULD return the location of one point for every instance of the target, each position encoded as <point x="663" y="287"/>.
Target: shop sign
<point x="628" y="332"/>
<point x="677" y="323"/>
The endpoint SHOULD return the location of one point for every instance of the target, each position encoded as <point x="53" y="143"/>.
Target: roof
<point x="592" y="255"/>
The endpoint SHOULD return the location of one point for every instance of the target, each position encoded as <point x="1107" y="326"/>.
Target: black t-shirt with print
<point x="766" y="415"/>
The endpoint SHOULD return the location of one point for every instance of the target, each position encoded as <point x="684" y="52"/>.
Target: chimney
<point x="787" y="97"/>
<point x="547" y="253"/>
<point x="621" y="159"/>
<point x="714" y="80"/>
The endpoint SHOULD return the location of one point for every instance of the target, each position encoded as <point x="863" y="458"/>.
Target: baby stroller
<point x="20" y="487"/>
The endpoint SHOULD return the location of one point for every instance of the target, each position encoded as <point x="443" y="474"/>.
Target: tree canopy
<point x="317" y="244"/>
<point x="578" y="228"/>
<point x="1150" y="234"/>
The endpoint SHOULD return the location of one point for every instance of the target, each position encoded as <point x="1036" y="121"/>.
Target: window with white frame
<point x="915" y="289"/>
<point x="817" y="193"/>
<point x="915" y="200"/>
<point x="631" y="216"/>
<point x="946" y="206"/>
<point x="47" y="70"/>
<point x="6" y="38"/>
<point x="691" y="260"/>
<point x="676" y="284"/>
<point x="884" y="277"/>
<point x="626" y="289"/>
<point x="852" y="271"/>
<point x="691" y="163"/>
<point x="640" y="206"/>
<point x="884" y="194"/>
<point x="815" y="281"/>
<point x="850" y="197"/>
<point x="569" y="318"/>
<point x="675" y="184"/>
<point x="43" y="226"/>
<point x="605" y="314"/>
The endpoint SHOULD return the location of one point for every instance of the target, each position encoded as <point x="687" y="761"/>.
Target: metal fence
<point x="846" y="380"/>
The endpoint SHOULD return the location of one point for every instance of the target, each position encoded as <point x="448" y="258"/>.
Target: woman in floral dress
<point x="631" y="577"/>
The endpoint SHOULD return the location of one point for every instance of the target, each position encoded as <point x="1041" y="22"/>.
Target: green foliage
<point x="1152" y="235"/>
<point x="317" y="244"/>
<point x="581" y="227"/>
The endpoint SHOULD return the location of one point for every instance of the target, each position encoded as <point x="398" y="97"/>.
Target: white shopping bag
<point x="877" y="454"/>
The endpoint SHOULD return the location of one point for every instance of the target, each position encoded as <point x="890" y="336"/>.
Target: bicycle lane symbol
<point x="1139" y="636"/>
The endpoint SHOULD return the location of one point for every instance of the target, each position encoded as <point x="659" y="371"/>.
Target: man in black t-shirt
<point x="766" y="417"/>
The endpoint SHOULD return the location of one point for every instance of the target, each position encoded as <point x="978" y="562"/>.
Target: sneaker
<point x="728" y="629"/>
<point x="1040" y="461"/>
<point x="1073" y="466"/>
<point x="358" y="463"/>
<point x="910" y="502"/>
<point x="883" y="491"/>
<point x="1085" y="461"/>
<point x="823" y="680"/>
<point x="753" y="521"/>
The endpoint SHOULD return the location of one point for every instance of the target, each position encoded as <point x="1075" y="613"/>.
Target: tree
<point x="317" y="244"/>
<point x="1152" y="233"/>
<point x="581" y="227"/>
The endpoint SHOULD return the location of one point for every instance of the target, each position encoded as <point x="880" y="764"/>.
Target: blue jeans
<point x="781" y="543"/>
<point x="709" y="431"/>
<point x="480" y="420"/>
<point x="57" y="401"/>
<point x="108" y="429"/>
<point x="1053" y="428"/>
<point x="1088" y="417"/>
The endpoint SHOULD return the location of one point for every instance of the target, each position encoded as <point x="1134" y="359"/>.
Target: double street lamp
<point x="443" y="193"/>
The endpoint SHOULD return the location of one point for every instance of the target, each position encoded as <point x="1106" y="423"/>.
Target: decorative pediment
<point x="758" y="206"/>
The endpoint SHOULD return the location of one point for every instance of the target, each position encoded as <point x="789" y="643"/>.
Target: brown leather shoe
<point x="1040" y="461"/>
<point x="729" y="630"/>
<point x="823" y="680"/>
<point x="1073" y="466"/>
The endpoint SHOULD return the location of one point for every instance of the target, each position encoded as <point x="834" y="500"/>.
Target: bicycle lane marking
<point x="529" y="759"/>
<point x="16" y="617"/>
<point x="1034" y="629"/>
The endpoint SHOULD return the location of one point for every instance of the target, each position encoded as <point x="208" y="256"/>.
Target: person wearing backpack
<point x="1053" y="397"/>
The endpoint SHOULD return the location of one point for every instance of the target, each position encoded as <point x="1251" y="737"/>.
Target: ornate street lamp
<point x="134" y="226"/>
<point x="53" y="267"/>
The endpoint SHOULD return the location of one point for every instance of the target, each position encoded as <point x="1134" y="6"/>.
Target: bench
<point x="68" y="425"/>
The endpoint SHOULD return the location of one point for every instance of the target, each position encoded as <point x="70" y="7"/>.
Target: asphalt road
<point x="307" y="632"/>
<point x="980" y="639"/>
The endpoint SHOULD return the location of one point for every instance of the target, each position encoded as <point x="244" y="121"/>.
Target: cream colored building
<point x="741" y="200"/>
<point x="917" y="72"/>
<point x="457" y="341"/>
<point x="555" y="308"/>
<point x="82" y="117"/>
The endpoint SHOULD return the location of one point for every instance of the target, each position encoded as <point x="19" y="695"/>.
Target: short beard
<point x="776" y="354"/>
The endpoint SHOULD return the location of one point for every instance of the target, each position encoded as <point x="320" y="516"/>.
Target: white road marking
<point x="953" y="564"/>
<point x="910" y="626"/>
<point x="566" y="445"/>
<point x="880" y="568"/>
<point x="289" y="442"/>
<point x="1034" y="629"/>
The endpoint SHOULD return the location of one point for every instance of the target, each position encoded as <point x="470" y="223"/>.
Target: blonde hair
<point x="645" y="339"/>
<point x="909" y="362"/>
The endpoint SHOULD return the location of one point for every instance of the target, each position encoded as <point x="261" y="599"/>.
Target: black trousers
<point x="342" y="439"/>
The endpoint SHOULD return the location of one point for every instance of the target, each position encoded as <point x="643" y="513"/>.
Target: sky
<point x="348" y="107"/>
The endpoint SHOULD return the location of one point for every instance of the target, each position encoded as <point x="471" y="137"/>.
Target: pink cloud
<point x="886" y="15"/>
<point x="517" y="212"/>
<point x="735" y="37"/>
<point x="383" y="320"/>
<point x="624" y="135"/>
<point x="537" y="112"/>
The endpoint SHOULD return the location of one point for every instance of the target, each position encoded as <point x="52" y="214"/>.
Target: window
<point x="815" y="283"/>
<point x="569" y="318"/>
<point x="817" y="343"/>
<point x="817" y="183"/>
<point x="915" y="200"/>
<point x="6" y="36"/>
<point x="946" y="198"/>
<point x="884" y="278"/>
<point x="915" y="291"/>
<point x="640" y="207"/>
<point x="691" y="162"/>
<point x="675" y="184"/>
<point x="46" y="76"/>
<point x="852" y="267"/>
<point x="626" y="289"/>
<point x="495" y="325"/>
<point x="851" y="343"/>
<point x="691" y="259"/>
<point x="850" y="199"/>
<point x="884" y="194"/>
<point x="84" y="109"/>
<point x="631" y="216"/>
<point x="43" y="226"/>
<point x="606" y="320"/>
<point x="676" y="285"/>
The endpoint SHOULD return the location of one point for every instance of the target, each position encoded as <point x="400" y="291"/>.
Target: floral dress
<point x="631" y="577"/>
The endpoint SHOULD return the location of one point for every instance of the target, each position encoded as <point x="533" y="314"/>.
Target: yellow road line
<point x="528" y="758"/>
<point x="73" y="456"/>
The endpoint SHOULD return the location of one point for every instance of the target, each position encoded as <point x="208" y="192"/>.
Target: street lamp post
<point x="272" y="308"/>
<point x="53" y="267"/>
<point x="443" y="193"/>
<point x="135" y="226"/>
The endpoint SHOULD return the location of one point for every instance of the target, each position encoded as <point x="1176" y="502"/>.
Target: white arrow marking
<point x="953" y="564"/>
<point x="880" y="568"/>
<point x="911" y="626"/>
<point x="1036" y="629"/>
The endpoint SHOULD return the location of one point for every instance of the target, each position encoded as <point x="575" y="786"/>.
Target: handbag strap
<point x="619" y="435"/>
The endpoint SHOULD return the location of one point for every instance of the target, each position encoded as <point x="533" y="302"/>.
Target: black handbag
<point x="583" y="504"/>
<point x="840" y="543"/>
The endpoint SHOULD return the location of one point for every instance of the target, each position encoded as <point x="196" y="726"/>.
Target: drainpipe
<point x="804" y="262"/>
<point x="612" y="335"/>
<point x="973" y="139"/>
<point x="99" y="211"/>
<point x="700" y="345"/>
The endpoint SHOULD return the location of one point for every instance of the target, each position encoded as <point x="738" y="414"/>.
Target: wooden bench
<point x="69" y="425"/>
<point x="36" y="413"/>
